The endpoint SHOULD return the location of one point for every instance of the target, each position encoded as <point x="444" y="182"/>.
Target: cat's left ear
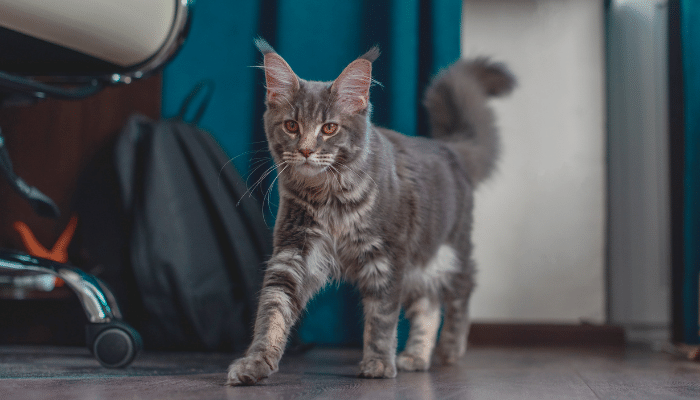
<point x="351" y="88"/>
<point x="280" y="80"/>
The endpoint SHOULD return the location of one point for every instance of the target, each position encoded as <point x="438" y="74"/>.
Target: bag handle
<point x="208" y="86"/>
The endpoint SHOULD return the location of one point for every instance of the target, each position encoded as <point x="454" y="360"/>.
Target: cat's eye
<point x="329" y="128"/>
<point x="292" y="126"/>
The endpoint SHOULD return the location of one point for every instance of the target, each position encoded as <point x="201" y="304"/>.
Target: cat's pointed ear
<point x="351" y="88"/>
<point x="280" y="80"/>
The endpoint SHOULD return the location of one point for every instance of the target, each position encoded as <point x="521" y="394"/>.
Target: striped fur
<point x="390" y="213"/>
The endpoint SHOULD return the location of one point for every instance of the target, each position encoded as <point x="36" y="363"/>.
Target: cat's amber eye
<point x="292" y="126"/>
<point x="329" y="129"/>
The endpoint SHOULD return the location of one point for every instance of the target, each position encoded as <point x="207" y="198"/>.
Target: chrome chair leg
<point x="99" y="307"/>
<point x="113" y="342"/>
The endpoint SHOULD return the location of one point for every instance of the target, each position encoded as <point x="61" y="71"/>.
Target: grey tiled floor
<point x="485" y="373"/>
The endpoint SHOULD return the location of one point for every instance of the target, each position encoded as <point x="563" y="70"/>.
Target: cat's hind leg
<point x="424" y="316"/>
<point x="455" y="328"/>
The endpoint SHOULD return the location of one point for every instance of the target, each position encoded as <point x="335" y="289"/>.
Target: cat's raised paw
<point x="376" y="368"/>
<point x="249" y="370"/>
<point x="410" y="362"/>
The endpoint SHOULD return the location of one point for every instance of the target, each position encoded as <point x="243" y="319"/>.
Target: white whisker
<point x="218" y="182"/>
<point x="340" y="185"/>
<point x="257" y="165"/>
<point x="260" y="180"/>
<point x="269" y="193"/>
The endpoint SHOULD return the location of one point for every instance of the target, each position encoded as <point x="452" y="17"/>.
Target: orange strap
<point x="59" y="252"/>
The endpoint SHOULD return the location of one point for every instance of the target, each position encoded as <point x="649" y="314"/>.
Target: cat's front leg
<point x="380" y="301"/>
<point x="290" y="280"/>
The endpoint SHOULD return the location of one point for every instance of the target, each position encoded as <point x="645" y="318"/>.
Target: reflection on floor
<point x="485" y="373"/>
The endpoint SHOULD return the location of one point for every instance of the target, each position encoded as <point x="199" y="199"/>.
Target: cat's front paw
<point x="411" y="362"/>
<point x="249" y="370"/>
<point x="376" y="368"/>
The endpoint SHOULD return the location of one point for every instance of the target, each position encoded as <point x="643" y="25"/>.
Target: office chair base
<point x="112" y="341"/>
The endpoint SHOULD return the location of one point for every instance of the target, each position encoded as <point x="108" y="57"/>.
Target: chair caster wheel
<point x="114" y="344"/>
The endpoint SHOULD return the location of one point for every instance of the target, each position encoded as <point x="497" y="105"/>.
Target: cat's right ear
<point x="280" y="80"/>
<point x="351" y="88"/>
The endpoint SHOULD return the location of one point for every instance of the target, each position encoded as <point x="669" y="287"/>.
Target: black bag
<point x="196" y="245"/>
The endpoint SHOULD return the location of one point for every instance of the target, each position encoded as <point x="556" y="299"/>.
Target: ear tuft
<point x="351" y="88"/>
<point x="263" y="46"/>
<point x="372" y="54"/>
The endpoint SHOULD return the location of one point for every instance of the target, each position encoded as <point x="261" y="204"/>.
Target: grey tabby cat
<point x="390" y="213"/>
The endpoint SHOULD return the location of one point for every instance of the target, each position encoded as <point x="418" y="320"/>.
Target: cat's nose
<point x="305" y="152"/>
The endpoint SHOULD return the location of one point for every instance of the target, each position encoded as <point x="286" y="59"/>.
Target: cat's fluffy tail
<point x="456" y="102"/>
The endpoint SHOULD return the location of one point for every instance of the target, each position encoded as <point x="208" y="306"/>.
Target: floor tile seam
<point x="585" y="382"/>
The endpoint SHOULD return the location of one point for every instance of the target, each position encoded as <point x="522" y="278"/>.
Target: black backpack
<point x="184" y="249"/>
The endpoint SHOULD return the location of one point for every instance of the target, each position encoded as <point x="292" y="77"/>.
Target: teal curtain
<point x="690" y="39"/>
<point x="318" y="38"/>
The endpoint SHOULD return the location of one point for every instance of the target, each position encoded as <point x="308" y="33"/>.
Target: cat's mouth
<point x="309" y="168"/>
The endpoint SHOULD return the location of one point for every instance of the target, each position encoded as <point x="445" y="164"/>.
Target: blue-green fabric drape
<point x="690" y="39"/>
<point x="318" y="38"/>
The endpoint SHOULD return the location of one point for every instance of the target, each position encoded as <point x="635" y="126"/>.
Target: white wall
<point x="540" y="221"/>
